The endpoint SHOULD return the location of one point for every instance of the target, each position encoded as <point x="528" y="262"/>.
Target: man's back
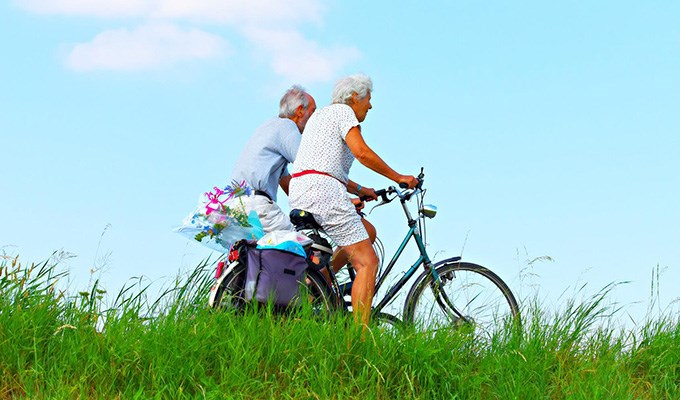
<point x="265" y="157"/>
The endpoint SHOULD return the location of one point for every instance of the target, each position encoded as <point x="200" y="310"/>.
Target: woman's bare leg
<point x="341" y="258"/>
<point x="365" y="262"/>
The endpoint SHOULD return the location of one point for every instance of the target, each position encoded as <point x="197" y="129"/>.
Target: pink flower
<point x="214" y="202"/>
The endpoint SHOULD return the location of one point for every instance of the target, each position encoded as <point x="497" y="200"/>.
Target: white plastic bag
<point x="220" y="219"/>
<point x="292" y="242"/>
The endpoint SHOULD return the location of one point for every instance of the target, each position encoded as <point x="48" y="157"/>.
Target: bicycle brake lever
<point x="377" y="205"/>
<point x="382" y="194"/>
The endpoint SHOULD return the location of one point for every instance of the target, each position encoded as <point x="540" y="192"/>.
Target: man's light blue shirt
<point x="264" y="159"/>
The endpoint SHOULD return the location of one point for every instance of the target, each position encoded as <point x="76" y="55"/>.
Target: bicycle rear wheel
<point x="230" y="294"/>
<point x="315" y="295"/>
<point x="466" y="295"/>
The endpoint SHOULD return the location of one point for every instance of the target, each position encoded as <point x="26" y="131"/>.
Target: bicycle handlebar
<point x="382" y="194"/>
<point x="404" y="195"/>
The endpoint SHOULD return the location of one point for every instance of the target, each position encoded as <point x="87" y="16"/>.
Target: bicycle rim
<point x="387" y="323"/>
<point x="230" y="293"/>
<point x="315" y="296"/>
<point x="481" y="301"/>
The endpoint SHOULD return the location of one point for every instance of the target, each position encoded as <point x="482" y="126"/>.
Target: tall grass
<point x="56" y="345"/>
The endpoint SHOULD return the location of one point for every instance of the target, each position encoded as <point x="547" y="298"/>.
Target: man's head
<point x="297" y="105"/>
<point x="355" y="91"/>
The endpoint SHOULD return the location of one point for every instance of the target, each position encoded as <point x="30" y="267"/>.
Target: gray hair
<point x="345" y="87"/>
<point x="294" y="97"/>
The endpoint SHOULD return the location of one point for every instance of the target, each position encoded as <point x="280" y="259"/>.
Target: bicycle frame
<point x="414" y="232"/>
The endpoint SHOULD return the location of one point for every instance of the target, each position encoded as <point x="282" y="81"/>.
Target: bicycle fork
<point x="443" y="299"/>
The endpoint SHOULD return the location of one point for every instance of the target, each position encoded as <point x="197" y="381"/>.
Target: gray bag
<point x="273" y="274"/>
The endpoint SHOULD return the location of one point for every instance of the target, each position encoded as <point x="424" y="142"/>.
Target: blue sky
<point x="545" y="128"/>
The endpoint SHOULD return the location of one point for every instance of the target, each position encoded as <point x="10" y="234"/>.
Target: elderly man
<point x="321" y="186"/>
<point x="264" y="160"/>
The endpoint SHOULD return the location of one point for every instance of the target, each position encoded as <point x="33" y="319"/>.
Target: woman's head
<point x="355" y="91"/>
<point x="345" y="87"/>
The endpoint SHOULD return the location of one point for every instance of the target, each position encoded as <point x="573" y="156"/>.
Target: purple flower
<point x="237" y="189"/>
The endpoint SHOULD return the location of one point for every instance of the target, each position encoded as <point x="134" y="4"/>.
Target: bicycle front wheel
<point x="465" y="294"/>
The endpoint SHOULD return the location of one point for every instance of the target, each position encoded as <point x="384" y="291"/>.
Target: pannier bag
<point x="274" y="275"/>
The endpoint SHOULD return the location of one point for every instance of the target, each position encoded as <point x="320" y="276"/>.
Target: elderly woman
<point x="320" y="184"/>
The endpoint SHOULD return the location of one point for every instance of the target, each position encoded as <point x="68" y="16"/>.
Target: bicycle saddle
<point x="302" y="219"/>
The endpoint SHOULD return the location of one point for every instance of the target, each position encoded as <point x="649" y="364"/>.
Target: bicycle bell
<point x="428" y="210"/>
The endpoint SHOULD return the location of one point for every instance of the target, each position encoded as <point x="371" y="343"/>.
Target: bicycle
<point x="449" y="292"/>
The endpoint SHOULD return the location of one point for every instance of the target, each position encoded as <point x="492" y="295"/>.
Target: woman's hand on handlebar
<point x="367" y="194"/>
<point x="407" y="181"/>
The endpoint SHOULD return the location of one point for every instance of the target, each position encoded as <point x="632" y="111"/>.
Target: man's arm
<point x="284" y="182"/>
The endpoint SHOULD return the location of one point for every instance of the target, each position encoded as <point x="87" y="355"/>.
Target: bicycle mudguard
<point x="448" y="260"/>
<point x="434" y="266"/>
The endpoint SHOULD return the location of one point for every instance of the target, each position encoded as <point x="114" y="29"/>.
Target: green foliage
<point x="60" y="346"/>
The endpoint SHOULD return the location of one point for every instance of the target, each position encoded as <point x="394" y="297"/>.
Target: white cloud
<point x="146" y="47"/>
<point x="222" y="11"/>
<point x="241" y="12"/>
<point x="271" y="27"/>
<point x="298" y="59"/>
<point x="96" y="8"/>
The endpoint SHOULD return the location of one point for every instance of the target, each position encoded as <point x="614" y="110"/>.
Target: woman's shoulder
<point x="334" y="112"/>
<point x="335" y="109"/>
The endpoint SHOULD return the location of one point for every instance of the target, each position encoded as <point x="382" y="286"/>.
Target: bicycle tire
<point x="322" y="302"/>
<point x="485" y="302"/>
<point x="230" y="294"/>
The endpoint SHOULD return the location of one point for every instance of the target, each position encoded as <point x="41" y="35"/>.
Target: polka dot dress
<point x="323" y="148"/>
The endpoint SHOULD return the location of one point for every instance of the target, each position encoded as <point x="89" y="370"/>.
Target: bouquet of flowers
<point x="221" y="219"/>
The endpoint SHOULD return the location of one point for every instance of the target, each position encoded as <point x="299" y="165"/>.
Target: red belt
<point x="312" y="171"/>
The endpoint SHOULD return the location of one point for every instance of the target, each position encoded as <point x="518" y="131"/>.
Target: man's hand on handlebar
<point x="358" y="203"/>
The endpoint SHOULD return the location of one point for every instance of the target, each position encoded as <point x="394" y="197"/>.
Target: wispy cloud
<point x="299" y="59"/>
<point x="159" y="42"/>
<point x="242" y="12"/>
<point x="224" y="11"/>
<point x="146" y="47"/>
<point x="93" y="8"/>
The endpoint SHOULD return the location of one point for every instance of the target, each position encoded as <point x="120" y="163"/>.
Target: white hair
<point x="294" y="97"/>
<point x="345" y="87"/>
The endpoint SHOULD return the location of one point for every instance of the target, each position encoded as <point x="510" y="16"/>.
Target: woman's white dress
<point x="323" y="148"/>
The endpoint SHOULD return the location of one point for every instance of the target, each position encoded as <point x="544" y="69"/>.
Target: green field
<point x="86" y="345"/>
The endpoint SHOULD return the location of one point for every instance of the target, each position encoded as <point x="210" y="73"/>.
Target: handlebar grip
<point x="382" y="193"/>
<point x="404" y="185"/>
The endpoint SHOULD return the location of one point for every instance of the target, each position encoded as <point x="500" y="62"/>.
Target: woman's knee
<point x="364" y="257"/>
